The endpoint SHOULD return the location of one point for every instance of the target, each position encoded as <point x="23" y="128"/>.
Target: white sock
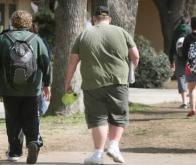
<point x="99" y="152"/>
<point x="113" y="143"/>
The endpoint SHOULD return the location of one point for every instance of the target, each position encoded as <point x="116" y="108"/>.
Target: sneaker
<point x="184" y="106"/>
<point x="33" y="151"/>
<point x="191" y="113"/>
<point x="94" y="159"/>
<point x="12" y="158"/>
<point x="114" y="152"/>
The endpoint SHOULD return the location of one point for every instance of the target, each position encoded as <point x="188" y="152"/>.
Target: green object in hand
<point x="69" y="98"/>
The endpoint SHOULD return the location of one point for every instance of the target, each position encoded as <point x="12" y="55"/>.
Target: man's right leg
<point x="30" y="118"/>
<point x="13" y="126"/>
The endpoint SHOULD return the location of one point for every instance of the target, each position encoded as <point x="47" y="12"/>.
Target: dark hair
<point x="101" y="11"/>
<point x="184" y="20"/>
<point x="193" y="23"/>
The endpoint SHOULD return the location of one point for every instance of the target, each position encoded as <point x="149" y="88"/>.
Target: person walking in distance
<point x="104" y="51"/>
<point x="24" y="65"/>
<point x="176" y="58"/>
<point x="189" y="52"/>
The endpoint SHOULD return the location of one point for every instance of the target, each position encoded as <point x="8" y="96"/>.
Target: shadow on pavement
<point x="4" y="162"/>
<point x="159" y="150"/>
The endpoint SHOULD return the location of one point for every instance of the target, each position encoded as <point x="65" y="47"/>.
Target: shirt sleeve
<point x="129" y="39"/>
<point x="75" y="48"/>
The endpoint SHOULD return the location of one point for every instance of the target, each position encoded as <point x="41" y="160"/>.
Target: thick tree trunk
<point x="169" y="11"/>
<point x="124" y="13"/>
<point x="69" y="16"/>
<point x="190" y="8"/>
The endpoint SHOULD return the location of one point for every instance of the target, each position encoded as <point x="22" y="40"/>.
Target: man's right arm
<point x="71" y="67"/>
<point x="134" y="56"/>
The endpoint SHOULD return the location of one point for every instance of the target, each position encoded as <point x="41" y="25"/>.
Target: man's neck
<point x="107" y="22"/>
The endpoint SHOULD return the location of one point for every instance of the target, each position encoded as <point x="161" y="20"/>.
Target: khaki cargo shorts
<point x="105" y="105"/>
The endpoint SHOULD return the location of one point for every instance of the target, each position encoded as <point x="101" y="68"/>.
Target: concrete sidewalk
<point x="77" y="158"/>
<point x="153" y="96"/>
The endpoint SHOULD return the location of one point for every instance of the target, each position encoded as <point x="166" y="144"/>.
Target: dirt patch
<point x="163" y="129"/>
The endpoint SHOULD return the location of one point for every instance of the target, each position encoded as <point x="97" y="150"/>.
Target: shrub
<point x="46" y="23"/>
<point x="154" y="68"/>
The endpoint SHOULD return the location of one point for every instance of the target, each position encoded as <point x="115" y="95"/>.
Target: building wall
<point x="12" y="5"/>
<point x="148" y="23"/>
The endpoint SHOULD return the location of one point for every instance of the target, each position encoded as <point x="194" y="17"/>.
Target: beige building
<point x="148" y="23"/>
<point x="7" y="7"/>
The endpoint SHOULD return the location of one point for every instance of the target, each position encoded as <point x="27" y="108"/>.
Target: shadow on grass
<point x="2" y="120"/>
<point x="159" y="150"/>
<point x="164" y="112"/>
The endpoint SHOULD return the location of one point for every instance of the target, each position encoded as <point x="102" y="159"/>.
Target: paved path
<point x="153" y="96"/>
<point x="76" y="158"/>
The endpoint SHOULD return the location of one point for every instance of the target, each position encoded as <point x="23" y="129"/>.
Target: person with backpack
<point x="176" y="59"/>
<point x="24" y="65"/>
<point x="189" y="52"/>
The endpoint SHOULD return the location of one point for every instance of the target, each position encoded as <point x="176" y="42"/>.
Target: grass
<point x="78" y="118"/>
<point x="135" y="107"/>
<point x="74" y="119"/>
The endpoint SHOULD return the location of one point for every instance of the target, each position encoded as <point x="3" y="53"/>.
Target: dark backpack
<point x="179" y="46"/>
<point x="21" y="66"/>
<point x="192" y="57"/>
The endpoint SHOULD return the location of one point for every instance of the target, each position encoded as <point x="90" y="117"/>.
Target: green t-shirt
<point x="103" y="50"/>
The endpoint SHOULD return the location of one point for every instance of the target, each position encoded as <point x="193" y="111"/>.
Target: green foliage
<point x="154" y="68"/>
<point x="46" y="23"/>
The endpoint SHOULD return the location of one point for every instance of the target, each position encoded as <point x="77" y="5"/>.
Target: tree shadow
<point x="2" y="120"/>
<point x="5" y="162"/>
<point x="164" y="112"/>
<point x="159" y="150"/>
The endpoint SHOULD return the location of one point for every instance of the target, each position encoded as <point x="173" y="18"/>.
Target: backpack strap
<point x="10" y="36"/>
<point x="30" y="38"/>
<point x="13" y="39"/>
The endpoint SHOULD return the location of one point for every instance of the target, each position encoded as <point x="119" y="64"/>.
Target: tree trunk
<point x="190" y="8"/>
<point x="169" y="11"/>
<point x="69" y="16"/>
<point x="124" y="13"/>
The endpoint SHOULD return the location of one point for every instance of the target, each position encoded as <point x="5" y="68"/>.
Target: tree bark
<point x="123" y="13"/>
<point x="190" y="8"/>
<point x="69" y="16"/>
<point x="170" y="11"/>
